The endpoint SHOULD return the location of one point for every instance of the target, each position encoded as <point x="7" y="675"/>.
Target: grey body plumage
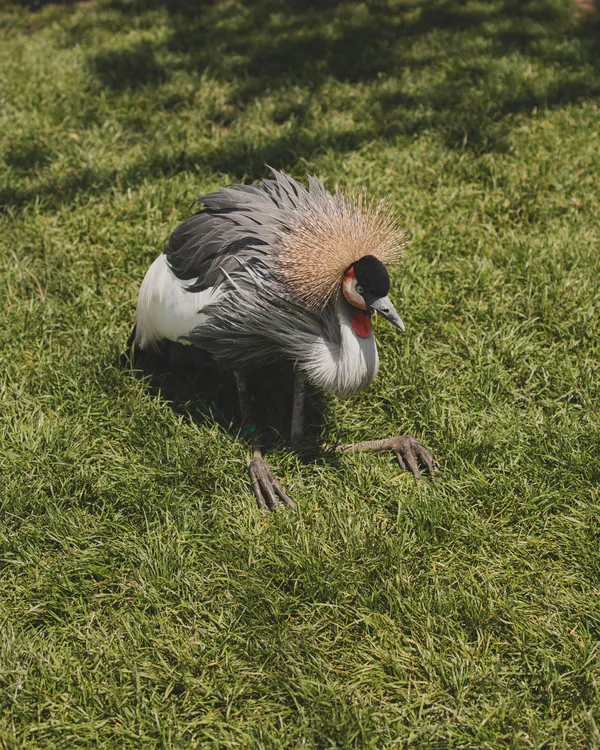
<point x="233" y="246"/>
<point x="230" y="246"/>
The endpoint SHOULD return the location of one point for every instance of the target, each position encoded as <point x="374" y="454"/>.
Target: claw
<point x="408" y="451"/>
<point x="267" y="489"/>
<point x="409" y="455"/>
<point x="412" y="457"/>
<point x="428" y="460"/>
<point x="400" y="460"/>
<point x="414" y="454"/>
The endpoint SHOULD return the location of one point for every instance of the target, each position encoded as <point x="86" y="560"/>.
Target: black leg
<point x="245" y="406"/>
<point x="267" y="489"/>
<point x="297" y="431"/>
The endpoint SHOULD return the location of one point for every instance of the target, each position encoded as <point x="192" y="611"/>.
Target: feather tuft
<point x="329" y="234"/>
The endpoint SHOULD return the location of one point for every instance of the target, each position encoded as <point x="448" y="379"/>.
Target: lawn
<point x="144" y="601"/>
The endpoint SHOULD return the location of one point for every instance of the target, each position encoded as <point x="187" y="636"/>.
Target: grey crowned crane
<point x="272" y="271"/>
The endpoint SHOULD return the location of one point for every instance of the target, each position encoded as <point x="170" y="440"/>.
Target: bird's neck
<point x="358" y="359"/>
<point x="344" y="363"/>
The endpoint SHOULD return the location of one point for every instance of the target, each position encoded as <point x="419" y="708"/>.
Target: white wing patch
<point x="165" y="310"/>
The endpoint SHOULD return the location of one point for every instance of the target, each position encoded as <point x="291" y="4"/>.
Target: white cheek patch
<point x="350" y="293"/>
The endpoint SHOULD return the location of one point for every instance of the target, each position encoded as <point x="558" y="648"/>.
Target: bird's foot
<point x="409" y="453"/>
<point x="267" y="489"/>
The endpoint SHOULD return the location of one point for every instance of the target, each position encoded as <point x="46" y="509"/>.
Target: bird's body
<point x="276" y="271"/>
<point x="219" y="285"/>
<point x="322" y="344"/>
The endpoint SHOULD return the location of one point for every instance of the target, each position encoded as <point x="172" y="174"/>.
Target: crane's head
<point x="365" y="286"/>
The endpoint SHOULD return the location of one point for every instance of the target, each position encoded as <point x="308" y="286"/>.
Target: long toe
<point x="261" y="485"/>
<point x="267" y="489"/>
<point x="411" y="456"/>
<point x="428" y="460"/>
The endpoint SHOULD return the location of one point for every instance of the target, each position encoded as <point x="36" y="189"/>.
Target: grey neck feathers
<point x="345" y="364"/>
<point x="251" y="326"/>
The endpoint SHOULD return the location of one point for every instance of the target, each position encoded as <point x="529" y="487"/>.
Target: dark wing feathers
<point x="237" y="227"/>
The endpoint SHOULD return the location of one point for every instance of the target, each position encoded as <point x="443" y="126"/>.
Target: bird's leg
<point x="267" y="489"/>
<point x="297" y="430"/>
<point x="244" y="399"/>
<point x="408" y="451"/>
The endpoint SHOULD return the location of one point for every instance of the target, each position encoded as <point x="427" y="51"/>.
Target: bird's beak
<point x="387" y="310"/>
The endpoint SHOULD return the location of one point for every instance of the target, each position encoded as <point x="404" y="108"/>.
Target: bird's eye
<point x="359" y="289"/>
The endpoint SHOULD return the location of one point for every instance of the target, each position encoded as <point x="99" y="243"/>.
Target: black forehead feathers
<point x="372" y="275"/>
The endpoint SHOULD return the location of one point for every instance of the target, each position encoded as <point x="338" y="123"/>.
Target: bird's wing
<point x="236" y="229"/>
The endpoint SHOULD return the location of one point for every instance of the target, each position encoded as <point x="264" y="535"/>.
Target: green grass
<point x="144" y="602"/>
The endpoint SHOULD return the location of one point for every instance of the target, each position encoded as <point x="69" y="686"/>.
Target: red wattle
<point x="361" y="323"/>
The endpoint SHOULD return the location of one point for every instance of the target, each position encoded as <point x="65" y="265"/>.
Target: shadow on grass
<point x="128" y="68"/>
<point x="28" y="154"/>
<point x="190" y="381"/>
<point x="470" y="61"/>
<point x="276" y="44"/>
<point x="35" y="5"/>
